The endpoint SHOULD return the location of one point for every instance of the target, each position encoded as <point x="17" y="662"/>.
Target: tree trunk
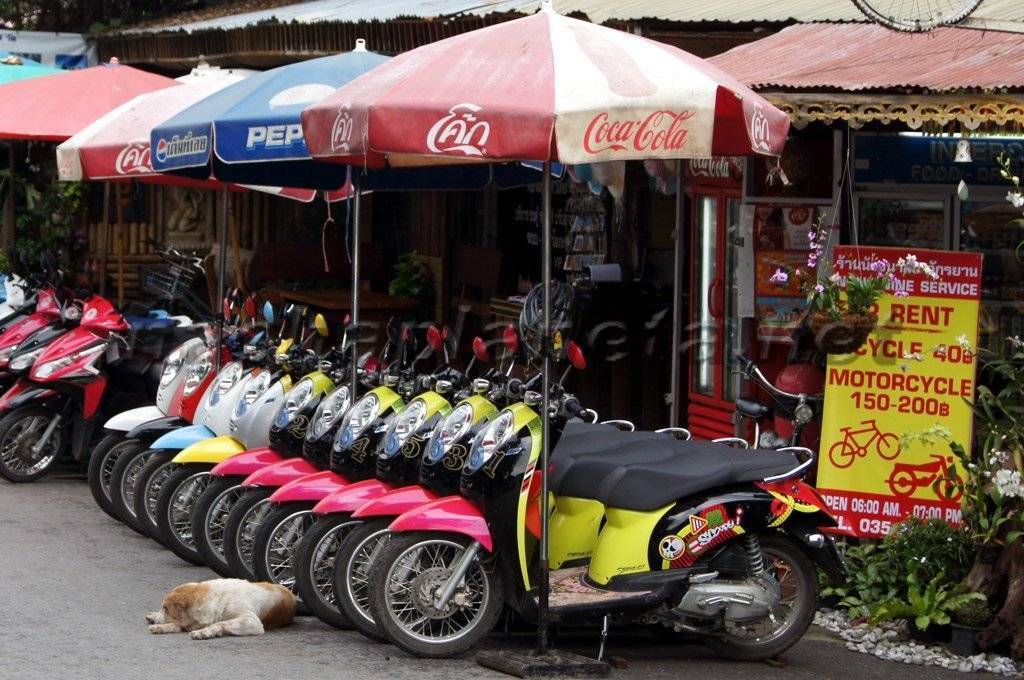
<point x="1003" y="582"/>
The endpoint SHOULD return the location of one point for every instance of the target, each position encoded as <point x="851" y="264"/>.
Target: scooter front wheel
<point x="353" y="569"/>
<point x="210" y="518"/>
<point x="313" y="565"/>
<point x="409" y="572"/>
<point x="178" y="497"/>
<point x="148" y="486"/>
<point x="274" y="544"/>
<point x="101" y="468"/>
<point x="240" y="532"/>
<point x="20" y="431"/>
<point x="122" y="485"/>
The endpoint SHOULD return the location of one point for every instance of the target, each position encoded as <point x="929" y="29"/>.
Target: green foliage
<point x="81" y="16"/>
<point x="50" y="224"/>
<point x="926" y="603"/>
<point x="927" y="547"/>
<point x="870" y="582"/>
<point x="413" y="280"/>
<point x="974" y="613"/>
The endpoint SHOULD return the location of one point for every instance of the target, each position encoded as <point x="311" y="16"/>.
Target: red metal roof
<point x="868" y="56"/>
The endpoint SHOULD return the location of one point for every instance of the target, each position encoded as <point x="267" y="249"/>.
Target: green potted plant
<point x="413" y="280"/>
<point x="841" y="310"/>
<point x="969" y="619"/>
<point x="927" y="606"/>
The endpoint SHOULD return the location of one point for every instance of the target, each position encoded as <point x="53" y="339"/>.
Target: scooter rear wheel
<point x="101" y="468"/>
<point x="410" y="567"/>
<point x="178" y="497"/>
<point x="240" y="532"/>
<point x="209" y="521"/>
<point x="19" y="431"/>
<point x="313" y="566"/>
<point x="798" y="585"/>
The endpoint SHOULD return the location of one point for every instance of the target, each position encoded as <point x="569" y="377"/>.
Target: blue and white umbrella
<point x="250" y="132"/>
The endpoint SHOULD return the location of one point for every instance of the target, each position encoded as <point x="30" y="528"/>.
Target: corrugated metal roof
<point x="868" y="56"/>
<point x="728" y="11"/>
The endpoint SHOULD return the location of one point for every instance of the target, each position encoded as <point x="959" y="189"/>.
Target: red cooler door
<point x="714" y="324"/>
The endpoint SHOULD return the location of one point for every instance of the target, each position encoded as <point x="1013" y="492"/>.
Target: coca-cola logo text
<point x="133" y="160"/>
<point x="461" y="130"/>
<point x="341" y="131"/>
<point x="760" y="131"/>
<point x="660" y="131"/>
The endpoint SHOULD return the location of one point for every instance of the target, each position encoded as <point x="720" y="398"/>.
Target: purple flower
<point x="811" y="235"/>
<point x="901" y="293"/>
<point x="812" y="259"/>
<point x="779" y="277"/>
<point x="819" y="288"/>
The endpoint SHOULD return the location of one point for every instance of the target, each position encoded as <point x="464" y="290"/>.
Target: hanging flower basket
<point x="842" y="336"/>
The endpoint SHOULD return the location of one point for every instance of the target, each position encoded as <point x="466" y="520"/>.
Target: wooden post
<point x="236" y="252"/>
<point x="120" y="246"/>
<point x="8" y="232"/>
<point x="104" y="238"/>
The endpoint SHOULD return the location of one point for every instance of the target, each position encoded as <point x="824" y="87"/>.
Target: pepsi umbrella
<point x="250" y="132"/>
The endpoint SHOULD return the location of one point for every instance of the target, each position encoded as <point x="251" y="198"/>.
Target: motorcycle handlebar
<point x="751" y="370"/>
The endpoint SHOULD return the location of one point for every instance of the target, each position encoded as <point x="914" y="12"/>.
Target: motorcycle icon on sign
<point x="939" y="474"/>
<point x="856" y="442"/>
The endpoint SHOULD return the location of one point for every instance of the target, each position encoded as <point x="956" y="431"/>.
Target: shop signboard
<point x="916" y="370"/>
<point x="914" y="159"/>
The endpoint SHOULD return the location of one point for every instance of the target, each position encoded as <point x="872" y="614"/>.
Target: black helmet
<point x="563" y="316"/>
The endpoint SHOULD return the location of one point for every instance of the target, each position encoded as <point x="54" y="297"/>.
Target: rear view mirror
<point x="511" y="338"/>
<point x="268" y="312"/>
<point x="480" y="350"/>
<point x="575" y="354"/>
<point x="250" y="306"/>
<point x="320" y="323"/>
<point x="225" y="308"/>
<point x="434" y="338"/>
<point x="346" y="320"/>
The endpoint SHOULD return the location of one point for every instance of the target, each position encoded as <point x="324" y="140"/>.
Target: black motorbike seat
<point x="650" y="475"/>
<point x="580" y="440"/>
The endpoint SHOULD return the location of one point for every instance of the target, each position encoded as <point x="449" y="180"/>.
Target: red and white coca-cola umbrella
<point x="116" y="146"/>
<point x="544" y="87"/>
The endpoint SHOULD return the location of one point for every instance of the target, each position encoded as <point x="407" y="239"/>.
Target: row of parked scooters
<point x="398" y="493"/>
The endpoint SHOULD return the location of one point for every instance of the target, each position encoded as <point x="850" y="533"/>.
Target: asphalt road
<point x="76" y="585"/>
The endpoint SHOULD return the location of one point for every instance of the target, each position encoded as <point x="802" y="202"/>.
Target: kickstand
<point x="604" y="638"/>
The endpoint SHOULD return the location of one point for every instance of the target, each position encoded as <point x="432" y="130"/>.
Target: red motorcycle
<point x="60" y="406"/>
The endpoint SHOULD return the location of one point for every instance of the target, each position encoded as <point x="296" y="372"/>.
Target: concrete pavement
<point x="76" y="586"/>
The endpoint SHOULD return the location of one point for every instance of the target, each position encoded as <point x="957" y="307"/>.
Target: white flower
<point x="964" y="343"/>
<point x="1008" y="483"/>
<point x="913" y="356"/>
<point x="836" y="278"/>
<point x="1015" y="342"/>
<point x="1016" y="199"/>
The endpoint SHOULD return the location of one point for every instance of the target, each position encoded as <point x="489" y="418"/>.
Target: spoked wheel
<point x="148" y="486"/>
<point x="408" y="576"/>
<point x="101" y="468"/>
<point x="313" y="566"/>
<point x="210" y="519"/>
<point x="278" y="536"/>
<point x="122" y="485"/>
<point x="353" y="568"/>
<point x="20" y="431"/>
<point x="180" y="492"/>
<point x="795" y="578"/>
<point x="244" y="521"/>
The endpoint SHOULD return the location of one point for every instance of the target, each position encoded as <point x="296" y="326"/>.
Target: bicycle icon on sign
<point x="856" y="442"/>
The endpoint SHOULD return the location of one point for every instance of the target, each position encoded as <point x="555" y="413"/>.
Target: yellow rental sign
<point x="916" y="370"/>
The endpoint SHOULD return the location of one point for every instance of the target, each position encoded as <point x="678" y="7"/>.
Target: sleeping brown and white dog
<point x="223" y="606"/>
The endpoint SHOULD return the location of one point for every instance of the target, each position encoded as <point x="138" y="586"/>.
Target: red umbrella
<point x="53" y="108"/>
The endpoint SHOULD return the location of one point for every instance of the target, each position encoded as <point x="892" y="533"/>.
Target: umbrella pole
<point x="104" y="244"/>
<point x="677" y="292"/>
<point x="546" y="345"/>
<point x="354" y="316"/>
<point x="222" y="264"/>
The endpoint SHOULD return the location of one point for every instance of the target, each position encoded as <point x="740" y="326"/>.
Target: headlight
<point x="50" y="367"/>
<point x="252" y="392"/>
<point x="454" y="427"/>
<point x="404" y="426"/>
<point x="358" y="419"/>
<point x="297" y="399"/>
<point x="172" y="366"/>
<point x="226" y="379"/>
<point x="23" y="361"/>
<point x="197" y="372"/>
<point x="329" y="412"/>
<point x="491" y="438"/>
